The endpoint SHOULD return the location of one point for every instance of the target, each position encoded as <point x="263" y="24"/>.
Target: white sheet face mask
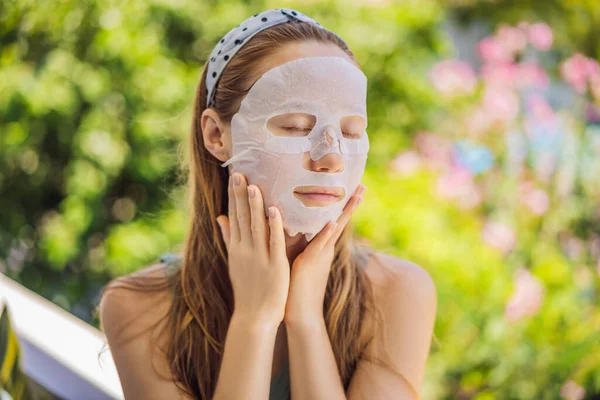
<point x="268" y="146"/>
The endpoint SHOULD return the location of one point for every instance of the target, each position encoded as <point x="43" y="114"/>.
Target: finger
<point x="344" y="218"/>
<point x="234" y="228"/>
<point x="259" y="227"/>
<point x="225" y="232"/>
<point x="349" y="209"/>
<point x="277" y="239"/>
<point x="322" y="238"/>
<point x="243" y="207"/>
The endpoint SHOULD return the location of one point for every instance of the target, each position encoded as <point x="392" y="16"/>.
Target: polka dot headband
<point x="234" y="39"/>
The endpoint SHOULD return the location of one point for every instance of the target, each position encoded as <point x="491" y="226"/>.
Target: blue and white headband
<point x="233" y="40"/>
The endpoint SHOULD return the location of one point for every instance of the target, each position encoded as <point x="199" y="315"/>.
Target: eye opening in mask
<point x="353" y="126"/>
<point x="291" y="124"/>
<point x="301" y="124"/>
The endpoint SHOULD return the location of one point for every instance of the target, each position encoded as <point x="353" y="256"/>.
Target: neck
<point x="294" y="246"/>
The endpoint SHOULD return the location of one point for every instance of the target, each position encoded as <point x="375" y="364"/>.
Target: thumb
<point x="223" y="222"/>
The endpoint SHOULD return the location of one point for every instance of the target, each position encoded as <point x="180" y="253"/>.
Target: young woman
<point x="270" y="298"/>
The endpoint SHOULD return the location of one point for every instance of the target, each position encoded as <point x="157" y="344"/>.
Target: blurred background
<point x="484" y="166"/>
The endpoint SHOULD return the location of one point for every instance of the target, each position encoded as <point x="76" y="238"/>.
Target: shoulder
<point x="135" y="323"/>
<point x="394" y="277"/>
<point x="406" y="296"/>
<point x="123" y="309"/>
<point x="120" y="299"/>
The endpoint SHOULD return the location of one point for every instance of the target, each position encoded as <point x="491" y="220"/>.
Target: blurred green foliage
<point x="96" y="96"/>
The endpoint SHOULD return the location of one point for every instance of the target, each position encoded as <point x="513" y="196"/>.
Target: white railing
<point x="60" y="351"/>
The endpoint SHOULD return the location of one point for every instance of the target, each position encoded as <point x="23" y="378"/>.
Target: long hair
<point x="202" y="305"/>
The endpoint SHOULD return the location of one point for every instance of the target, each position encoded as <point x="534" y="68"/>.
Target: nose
<point x="329" y="138"/>
<point x="331" y="162"/>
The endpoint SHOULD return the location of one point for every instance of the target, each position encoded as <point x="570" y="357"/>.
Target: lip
<point x="319" y="195"/>
<point x="335" y="191"/>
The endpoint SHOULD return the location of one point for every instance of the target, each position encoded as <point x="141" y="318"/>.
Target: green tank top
<point x="280" y="384"/>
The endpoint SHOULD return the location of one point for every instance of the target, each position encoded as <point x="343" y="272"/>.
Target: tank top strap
<point x="172" y="262"/>
<point x="281" y="384"/>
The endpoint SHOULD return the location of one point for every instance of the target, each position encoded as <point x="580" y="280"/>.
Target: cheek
<point x="306" y="160"/>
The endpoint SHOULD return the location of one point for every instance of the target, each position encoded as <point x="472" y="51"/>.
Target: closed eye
<point x="298" y="129"/>
<point x="291" y="124"/>
<point x="352" y="135"/>
<point x="295" y="128"/>
<point x="355" y="124"/>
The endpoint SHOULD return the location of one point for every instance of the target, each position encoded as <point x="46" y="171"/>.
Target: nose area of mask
<point x="322" y="145"/>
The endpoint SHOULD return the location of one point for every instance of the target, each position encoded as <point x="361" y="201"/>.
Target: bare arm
<point x="409" y="305"/>
<point x="246" y="367"/>
<point x="259" y="272"/>
<point x="313" y="370"/>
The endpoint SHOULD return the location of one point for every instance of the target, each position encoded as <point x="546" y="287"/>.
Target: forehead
<point x="302" y="49"/>
<point x="327" y="83"/>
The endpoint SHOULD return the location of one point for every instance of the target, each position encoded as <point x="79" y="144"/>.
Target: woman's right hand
<point x="259" y="269"/>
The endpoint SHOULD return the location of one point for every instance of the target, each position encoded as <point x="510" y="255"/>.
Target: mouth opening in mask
<point x="319" y="196"/>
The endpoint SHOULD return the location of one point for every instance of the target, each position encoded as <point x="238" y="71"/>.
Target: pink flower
<point x="595" y="84"/>
<point x="545" y="165"/>
<point x="470" y="198"/>
<point x="500" y="236"/>
<point x="524" y="25"/>
<point x="539" y="108"/>
<point x="457" y="184"/>
<point x="406" y="163"/>
<point x="478" y="121"/>
<point x="436" y="152"/>
<point x="453" y="78"/>
<point x="501" y="102"/>
<point x="577" y="69"/>
<point x="594" y="245"/>
<point x="527" y="297"/>
<point x="592" y="68"/>
<point x="512" y="39"/>
<point x="535" y="199"/>
<point x="500" y="74"/>
<point x="592" y="113"/>
<point x="572" y="391"/>
<point x="541" y="36"/>
<point x="491" y="50"/>
<point x="583" y="277"/>
<point x="573" y="247"/>
<point x="531" y="74"/>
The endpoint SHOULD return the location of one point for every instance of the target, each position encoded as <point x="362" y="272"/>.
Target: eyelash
<point x="293" y="128"/>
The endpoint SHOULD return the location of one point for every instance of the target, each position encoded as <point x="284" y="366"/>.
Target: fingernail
<point x="271" y="212"/>
<point x="251" y="191"/>
<point x="359" y="200"/>
<point x="236" y="180"/>
<point x="362" y="189"/>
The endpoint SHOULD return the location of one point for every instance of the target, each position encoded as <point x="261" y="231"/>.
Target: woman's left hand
<point x="310" y="270"/>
